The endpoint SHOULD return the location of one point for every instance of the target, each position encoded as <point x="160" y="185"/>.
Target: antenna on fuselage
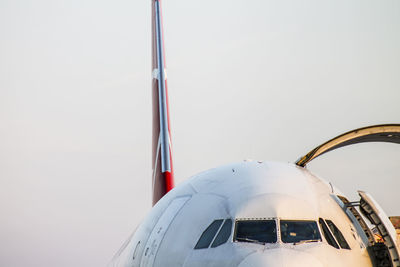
<point x="163" y="178"/>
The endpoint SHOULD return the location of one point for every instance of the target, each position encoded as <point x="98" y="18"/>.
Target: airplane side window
<point x="327" y="234"/>
<point x="255" y="231"/>
<point x="208" y="235"/>
<point x="339" y="236"/>
<point x="299" y="231"/>
<point x="223" y="234"/>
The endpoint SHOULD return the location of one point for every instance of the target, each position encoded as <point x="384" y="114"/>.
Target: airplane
<point x="255" y="213"/>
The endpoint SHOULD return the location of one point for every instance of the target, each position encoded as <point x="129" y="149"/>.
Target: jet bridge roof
<point x="377" y="133"/>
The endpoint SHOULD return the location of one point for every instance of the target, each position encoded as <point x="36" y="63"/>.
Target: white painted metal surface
<point x="158" y="233"/>
<point x="243" y="190"/>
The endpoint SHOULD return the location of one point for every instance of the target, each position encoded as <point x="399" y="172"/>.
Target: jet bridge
<point x="391" y="244"/>
<point x="384" y="251"/>
<point x="383" y="246"/>
<point x="389" y="133"/>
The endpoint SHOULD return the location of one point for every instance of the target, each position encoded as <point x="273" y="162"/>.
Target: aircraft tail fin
<point x="163" y="178"/>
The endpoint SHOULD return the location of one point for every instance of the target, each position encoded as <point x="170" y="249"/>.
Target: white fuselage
<point x="243" y="191"/>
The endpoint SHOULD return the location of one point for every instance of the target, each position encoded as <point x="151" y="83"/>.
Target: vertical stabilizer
<point x="163" y="179"/>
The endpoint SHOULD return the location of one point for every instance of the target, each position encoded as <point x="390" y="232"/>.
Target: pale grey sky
<point x="247" y="79"/>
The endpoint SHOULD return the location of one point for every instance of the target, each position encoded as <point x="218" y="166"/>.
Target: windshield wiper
<point x="306" y="241"/>
<point x="245" y="239"/>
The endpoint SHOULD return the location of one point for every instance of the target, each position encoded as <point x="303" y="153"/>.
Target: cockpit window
<point x="327" y="234"/>
<point x="208" y="235"/>
<point x="299" y="231"/>
<point x="223" y="234"/>
<point x="339" y="236"/>
<point x="255" y="231"/>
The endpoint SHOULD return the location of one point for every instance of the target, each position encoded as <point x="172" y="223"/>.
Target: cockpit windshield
<point x="299" y="231"/>
<point x="262" y="231"/>
<point x="256" y="231"/>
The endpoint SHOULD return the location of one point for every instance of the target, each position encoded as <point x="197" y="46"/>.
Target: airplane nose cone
<point x="281" y="257"/>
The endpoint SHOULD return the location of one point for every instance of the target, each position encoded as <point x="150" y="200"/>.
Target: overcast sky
<point x="267" y="80"/>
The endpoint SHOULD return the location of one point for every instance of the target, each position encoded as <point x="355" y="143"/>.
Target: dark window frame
<point x="216" y="234"/>
<point x="209" y="234"/>
<point x="330" y="239"/>
<point x="253" y="220"/>
<point x="223" y="234"/>
<point x="341" y="240"/>
<point x="310" y="222"/>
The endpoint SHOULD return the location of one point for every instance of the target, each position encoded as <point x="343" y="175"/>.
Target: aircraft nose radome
<point x="281" y="257"/>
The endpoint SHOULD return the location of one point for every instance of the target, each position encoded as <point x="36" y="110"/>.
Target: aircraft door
<point x="375" y="214"/>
